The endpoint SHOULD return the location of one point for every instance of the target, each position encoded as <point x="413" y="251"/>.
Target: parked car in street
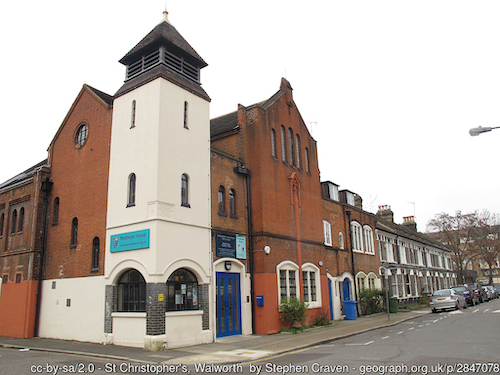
<point x="494" y="293"/>
<point x="489" y="295"/>
<point x="479" y="291"/>
<point x="467" y="292"/>
<point x="446" y="299"/>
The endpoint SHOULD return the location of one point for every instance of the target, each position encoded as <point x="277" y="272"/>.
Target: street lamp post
<point x="476" y="131"/>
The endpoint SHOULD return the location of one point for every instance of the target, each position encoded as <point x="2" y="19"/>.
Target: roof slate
<point x="108" y="99"/>
<point x="224" y="124"/>
<point x="401" y="230"/>
<point x="163" y="32"/>
<point x="28" y="173"/>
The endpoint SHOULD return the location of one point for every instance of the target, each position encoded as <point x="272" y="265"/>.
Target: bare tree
<point x="458" y="234"/>
<point x="487" y="241"/>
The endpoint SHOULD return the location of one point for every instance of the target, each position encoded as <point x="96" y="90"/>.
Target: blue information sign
<point x="130" y="241"/>
<point x="241" y="247"/>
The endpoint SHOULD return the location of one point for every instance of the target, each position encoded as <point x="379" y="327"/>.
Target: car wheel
<point x="434" y="311"/>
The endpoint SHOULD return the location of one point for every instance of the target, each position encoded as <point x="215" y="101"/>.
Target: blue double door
<point x="228" y="304"/>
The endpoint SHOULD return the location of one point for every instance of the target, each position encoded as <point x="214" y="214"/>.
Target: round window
<point x="81" y="135"/>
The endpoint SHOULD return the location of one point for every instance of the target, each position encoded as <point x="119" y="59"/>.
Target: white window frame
<point x="372" y="282"/>
<point x="327" y="233"/>
<point x="368" y="240"/>
<point x="311" y="269"/>
<point x="288" y="266"/>
<point x="360" y="281"/>
<point x="341" y="240"/>
<point x="357" y="237"/>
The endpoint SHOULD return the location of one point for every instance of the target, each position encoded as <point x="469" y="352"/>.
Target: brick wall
<point x="80" y="176"/>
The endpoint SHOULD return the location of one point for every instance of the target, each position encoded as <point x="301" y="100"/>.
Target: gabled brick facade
<point x="80" y="177"/>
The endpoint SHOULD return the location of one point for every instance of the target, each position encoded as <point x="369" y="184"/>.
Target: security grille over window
<point x="162" y="56"/>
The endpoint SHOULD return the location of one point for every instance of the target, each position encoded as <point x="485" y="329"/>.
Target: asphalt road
<point x="457" y="342"/>
<point x="441" y="343"/>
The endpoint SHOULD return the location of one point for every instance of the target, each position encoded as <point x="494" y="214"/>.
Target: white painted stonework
<point x="83" y="320"/>
<point x="159" y="150"/>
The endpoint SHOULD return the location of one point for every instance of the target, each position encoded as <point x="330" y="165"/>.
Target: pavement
<point x="232" y="349"/>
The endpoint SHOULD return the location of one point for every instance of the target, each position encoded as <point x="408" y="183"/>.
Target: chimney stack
<point x="409" y="222"/>
<point x="386" y="213"/>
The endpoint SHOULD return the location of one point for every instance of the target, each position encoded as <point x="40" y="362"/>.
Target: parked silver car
<point x="489" y="295"/>
<point x="446" y="299"/>
<point x="494" y="293"/>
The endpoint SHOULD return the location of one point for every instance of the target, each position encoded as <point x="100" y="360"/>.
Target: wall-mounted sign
<point x="130" y="241"/>
<point x="226" y="245"/>
<point x="231" y="246"/>
<point x="241" y="247"/>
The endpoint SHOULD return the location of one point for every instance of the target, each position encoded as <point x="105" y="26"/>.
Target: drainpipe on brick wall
<point x="246" y="172"/>
<point x="348" y="213"/>
<point x="46" y="188"/>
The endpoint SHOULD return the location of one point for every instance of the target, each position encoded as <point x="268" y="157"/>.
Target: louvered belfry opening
<point x="167" y="58"/>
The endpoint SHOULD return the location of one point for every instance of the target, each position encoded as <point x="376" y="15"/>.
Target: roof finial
<point x="165" y="14"/>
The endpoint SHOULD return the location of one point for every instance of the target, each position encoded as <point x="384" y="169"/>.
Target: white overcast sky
<point x="389" y="89"/>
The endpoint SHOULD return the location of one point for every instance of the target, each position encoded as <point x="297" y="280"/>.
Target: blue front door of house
<point x="331" y="299"/>
<point x="346" y="289"/>
<point x="228" y="304"/>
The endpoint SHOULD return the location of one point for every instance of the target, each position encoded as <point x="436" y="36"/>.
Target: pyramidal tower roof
<point x="163" y="33"/>
<point x="163" y="53"/>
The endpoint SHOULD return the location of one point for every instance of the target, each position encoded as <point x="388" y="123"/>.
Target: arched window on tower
<point x="132" y="120"/>
<point x="186" y="115"/>
<point x="185" y="191"/>
<point x="131" y="190"/>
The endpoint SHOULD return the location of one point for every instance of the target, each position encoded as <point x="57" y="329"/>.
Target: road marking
<point x="385" y="338"/>
<point x="428" y="324"/>
<point x="276" y="356"/>
<point x="434" y="321"/>
<point x="399" y="333"/>
<point x="360" y="344"/>
<point x="496" y="311"/>
<point x="421" y="325"/>
<point x="486" y="310"/>
<point x="409" y="329"/>
<point x="475" y="311"/>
